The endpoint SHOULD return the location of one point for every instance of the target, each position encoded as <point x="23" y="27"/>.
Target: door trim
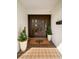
<point x="37" y="15"/>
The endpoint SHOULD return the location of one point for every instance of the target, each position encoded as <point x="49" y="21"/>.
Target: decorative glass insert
<point x="32" y="20"/>
<point x="35" y="20"/>
<point x="35" y="25"/>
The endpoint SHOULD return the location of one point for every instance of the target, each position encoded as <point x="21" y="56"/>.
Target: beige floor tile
<point x="41" y="53"/>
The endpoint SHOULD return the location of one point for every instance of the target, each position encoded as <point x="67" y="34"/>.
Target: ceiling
<point x="38" y="4"/>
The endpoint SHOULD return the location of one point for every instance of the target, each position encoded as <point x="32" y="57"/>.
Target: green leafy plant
<point x="49" y="32"/>
<point x="22" y="37"/>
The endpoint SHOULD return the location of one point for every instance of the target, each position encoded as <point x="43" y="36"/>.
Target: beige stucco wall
<point x="21" y="20"/>
<point x="57" y="29"/>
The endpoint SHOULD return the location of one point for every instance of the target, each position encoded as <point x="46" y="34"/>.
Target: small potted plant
<point x="23" y="40"/>
<point x="49" y="33"/>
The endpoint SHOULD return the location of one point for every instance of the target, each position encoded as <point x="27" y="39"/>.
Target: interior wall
<point x="21" y="19"/>
<point x="57" y="29"/>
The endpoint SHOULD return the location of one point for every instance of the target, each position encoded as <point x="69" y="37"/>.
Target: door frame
<point x="38" y="15"/>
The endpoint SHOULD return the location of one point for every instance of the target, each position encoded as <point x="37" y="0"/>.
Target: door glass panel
<point x="32" y="20"/>
<point x="35" y="25"/>
<point x="35" y="20"/>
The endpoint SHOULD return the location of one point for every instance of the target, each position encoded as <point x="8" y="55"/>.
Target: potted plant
<point x="49" y="33"/>
<point x="23" y="40"/>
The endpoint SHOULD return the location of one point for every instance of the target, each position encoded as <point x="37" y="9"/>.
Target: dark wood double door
<point x="38" y="25"/>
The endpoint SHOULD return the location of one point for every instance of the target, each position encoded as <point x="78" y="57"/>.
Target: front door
<point x="38" y="25"/>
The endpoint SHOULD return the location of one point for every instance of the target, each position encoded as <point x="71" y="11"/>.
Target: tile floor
<point x="41" y="53"/>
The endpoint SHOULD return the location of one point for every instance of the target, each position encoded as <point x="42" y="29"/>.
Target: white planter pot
<point x="18" y="47"/>
<point x="23" y="45"/>
<point x="49" y="37"/>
